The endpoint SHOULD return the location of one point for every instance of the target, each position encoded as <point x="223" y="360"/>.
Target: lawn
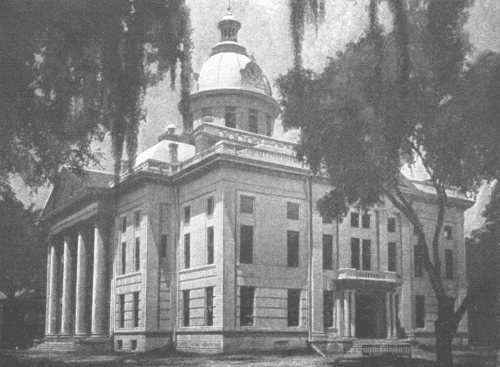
<point x="30" y="359"/>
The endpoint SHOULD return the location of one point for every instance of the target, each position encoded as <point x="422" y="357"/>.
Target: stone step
<point x="358" y="344"/>
<point x="56" y="346"/>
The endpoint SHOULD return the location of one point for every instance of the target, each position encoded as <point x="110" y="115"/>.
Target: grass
<point x="249" y="359"/>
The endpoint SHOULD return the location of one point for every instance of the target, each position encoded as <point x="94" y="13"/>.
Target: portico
<point x="77" y="281"/>
<point x="366" y="305"/>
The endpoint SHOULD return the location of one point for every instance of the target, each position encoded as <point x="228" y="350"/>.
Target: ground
<point x="466" y="358"/>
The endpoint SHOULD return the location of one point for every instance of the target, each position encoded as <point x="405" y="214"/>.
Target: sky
<point x="265" y="34"/>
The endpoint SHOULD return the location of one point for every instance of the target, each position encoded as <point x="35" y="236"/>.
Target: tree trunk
<point x="444" y="338"/>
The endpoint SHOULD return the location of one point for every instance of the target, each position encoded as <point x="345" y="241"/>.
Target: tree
<point x="74" y="70"/>
<point x="390" y="100"/>
<point x="22" y="264"/>
<point x="484" y="243"/>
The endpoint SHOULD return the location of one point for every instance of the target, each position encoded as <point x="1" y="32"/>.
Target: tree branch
<point x="441" y="194"/>
<point x="406" y="208"/>
<point x="459" y="313"/>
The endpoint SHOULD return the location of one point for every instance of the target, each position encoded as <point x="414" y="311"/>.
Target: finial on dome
<point x="229" y="26"/>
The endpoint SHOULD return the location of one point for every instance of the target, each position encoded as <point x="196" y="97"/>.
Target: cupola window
<point x="230" y="117"/>
<point x="269" y="125"/>
<point x="253" y="121"/>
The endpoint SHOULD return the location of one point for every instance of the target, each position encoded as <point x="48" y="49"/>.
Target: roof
<point x="161" y="152"/>
<point x="223" y="70"/>
<point x="70" y="187"/>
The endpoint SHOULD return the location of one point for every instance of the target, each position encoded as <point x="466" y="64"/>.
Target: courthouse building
<point x="213" y="242"/>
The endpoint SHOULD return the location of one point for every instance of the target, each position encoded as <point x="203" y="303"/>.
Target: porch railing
<point x="350" y="273"/>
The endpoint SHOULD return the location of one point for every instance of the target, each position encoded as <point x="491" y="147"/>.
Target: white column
<point x="47" y="292"/>
<point x="353" y="313"/>
<point x="388" y="317"/>
<point x="53" y="291"/>
<point x="394" y="315"/>
<point x="347" y="311"/>
<point x="67" y="301"/>
<point x="81" y="283"/>
<point x="338" y="311"/>
<point x="99" y="281"/>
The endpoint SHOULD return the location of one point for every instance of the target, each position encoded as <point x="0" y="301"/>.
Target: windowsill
<point x="128" y="275"/>
<point x="199" y="268"/>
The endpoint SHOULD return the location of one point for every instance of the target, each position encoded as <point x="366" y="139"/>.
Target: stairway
<point x="56" y="346"/>
<point x="358" y="344"/>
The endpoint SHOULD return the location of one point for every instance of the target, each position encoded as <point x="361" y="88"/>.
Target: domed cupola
<point x="231" y="89"/>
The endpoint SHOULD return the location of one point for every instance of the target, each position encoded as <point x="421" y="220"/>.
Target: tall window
<point x="210" y="245"/>
<point x="253" y="121"/>
<point x="327" y="309"/>
<point x="293" y="249"/>
<point x="327" y="252"/>
<point x="391" y="256"/>
<point x="137" y="219"/>
<point x="124" y="257"/>
<point x="355" y="220"/>
<point x="269" y="125"/>
<point x="246" y="244"/>
<point x="355" y="263"/>
<point x="448" y="233"/>
<point x="230" y="117"/>
<point x="246" y="204"/>
<point x="365" y="220"/>
<point x="187" y="215"/>
<point x="185" y="308"/>
<point x="247" y="295"/>
<point x="209" y="304"/>
<point x="163" y="245"/>
<point x="187" y="251"/>
<point x="293" y="306"/>
<point x="417" y="259"/>
<point x="210" y="206"/>
<point x="292" y="211"/>
<point x="137" y="254"/>
<point x="136" y="309"/>
<point x="367" y="254"/>
<point x="391" y="225"/>
<point x="448" y="259"/>
<point x="124" y="224"/>
<point x="420" y="311"/>
<point x="122" y="310"/>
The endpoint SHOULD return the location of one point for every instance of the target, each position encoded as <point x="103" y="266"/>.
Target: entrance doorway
<point x="368" y="317"/>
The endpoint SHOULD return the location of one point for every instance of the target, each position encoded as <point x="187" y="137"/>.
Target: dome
<point x="229" y="70"/>
<point x="229" y="66"/>
<point x="161" y="152"/>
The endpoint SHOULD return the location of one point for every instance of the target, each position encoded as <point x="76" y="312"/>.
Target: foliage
<point x="22" y="264"/>
<point x="483" y="263"/>
<point x="389" y="100"/>
<point x="74" y="70"/>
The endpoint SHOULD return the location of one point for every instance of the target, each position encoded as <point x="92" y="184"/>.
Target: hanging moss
<point x="73" y="70"/>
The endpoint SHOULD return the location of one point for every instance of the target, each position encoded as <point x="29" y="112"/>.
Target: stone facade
<point x="214" y="244"/>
